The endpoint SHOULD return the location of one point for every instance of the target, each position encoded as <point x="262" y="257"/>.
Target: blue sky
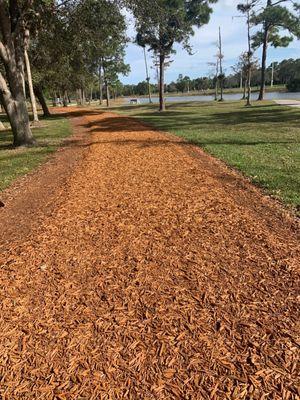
<point x="234" y="43"/>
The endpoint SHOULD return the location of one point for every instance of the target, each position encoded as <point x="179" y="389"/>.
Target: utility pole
<point x="100" y="83"/>
<point x="147" y="76"/>
<point x="106" y="86"/>
<point x="156" y="65"/>
<point x="29" y="79"/>
<point x="217" y="83"/>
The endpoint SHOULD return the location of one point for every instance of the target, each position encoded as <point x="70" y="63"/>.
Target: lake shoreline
<point x="269" y="95"/>
<point x="211" y="92"/>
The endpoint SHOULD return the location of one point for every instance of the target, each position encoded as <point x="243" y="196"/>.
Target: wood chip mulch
<point x="148" y="271"/>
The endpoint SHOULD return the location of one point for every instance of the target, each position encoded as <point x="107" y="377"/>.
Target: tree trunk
<point x="78" y="97"/>
<point x="263" y="65"/>
<point x="221" y="66"/>
<point x="11" y="87"/>
<point x="162" y="105"/>
<point x="248" y="103"/>
<point x="91" y="95"/>
<point x="107" y="93"/>
<point x="147" y="77"/>
<point x="65" y="99"/>
<point x="2" y="127"/>
<point x="40" y="96"/>
<point x="83" y="98"/>
<point x="221" y="89"/>
<point x="24" y="84"/>
<point x="217" y="81"/>
<point x="31" y="91"/>
<point x="245" y="87"/>
<point x="249" y="61"/>
<point x="16" y="110"/>
<point x="17" y="113"/>
<point x="106" y="86"/>
<point x="149" y="90"/>
<point x="100" y="86"/>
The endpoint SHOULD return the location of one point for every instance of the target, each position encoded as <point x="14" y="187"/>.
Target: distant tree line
<point x="286" y="72"/>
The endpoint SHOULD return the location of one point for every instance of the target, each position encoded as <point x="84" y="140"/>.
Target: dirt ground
<point x="135" y="266"/>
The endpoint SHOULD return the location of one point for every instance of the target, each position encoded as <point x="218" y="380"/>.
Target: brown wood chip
<point x="135" y="266"/>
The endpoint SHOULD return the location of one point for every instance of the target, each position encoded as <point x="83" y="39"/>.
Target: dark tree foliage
<point x="80" y="36"/>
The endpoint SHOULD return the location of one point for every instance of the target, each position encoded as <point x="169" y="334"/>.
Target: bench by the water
<point x="134" y="101"/>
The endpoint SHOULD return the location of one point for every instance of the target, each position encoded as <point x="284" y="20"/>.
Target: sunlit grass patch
<point x="15" y="162"/>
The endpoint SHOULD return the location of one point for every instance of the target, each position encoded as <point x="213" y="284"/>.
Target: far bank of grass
<point x="15" y="162"/>
<point x="262" y="141"/>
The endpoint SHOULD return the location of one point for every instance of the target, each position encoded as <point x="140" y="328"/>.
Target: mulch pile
<point x="151" y="272"/>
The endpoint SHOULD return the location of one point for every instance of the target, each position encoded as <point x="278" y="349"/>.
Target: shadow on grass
<point x="259" y="116"/>
<point x="5" y="146"/>
<point x="177" y="119"/>
<point x="174" y="119"/>
<point x="75" y="113"/>
<point x="114" y="125"/>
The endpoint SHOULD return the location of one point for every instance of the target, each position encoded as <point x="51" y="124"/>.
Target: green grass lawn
<point x="262" y="141"/>
<point x="19" y="161"/>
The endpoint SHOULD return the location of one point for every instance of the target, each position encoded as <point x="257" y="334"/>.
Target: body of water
<point x="229" y="96"/>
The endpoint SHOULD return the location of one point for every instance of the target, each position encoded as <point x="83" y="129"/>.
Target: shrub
<point x="293" y="85"/>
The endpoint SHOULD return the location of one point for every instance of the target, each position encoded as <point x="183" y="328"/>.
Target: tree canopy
<point x="274" y="19"/>
<point x="162" y="23"/>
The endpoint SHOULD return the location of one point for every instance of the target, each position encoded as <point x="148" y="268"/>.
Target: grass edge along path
<point x="262" y="142"/>
<point x="15" y="162"/>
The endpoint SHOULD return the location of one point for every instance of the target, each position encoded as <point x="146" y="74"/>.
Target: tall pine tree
<point x="273" y="19"/>
<point x="162" y="23"/>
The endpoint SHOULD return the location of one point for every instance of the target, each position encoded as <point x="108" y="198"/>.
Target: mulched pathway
<point x="135" y="266"/>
